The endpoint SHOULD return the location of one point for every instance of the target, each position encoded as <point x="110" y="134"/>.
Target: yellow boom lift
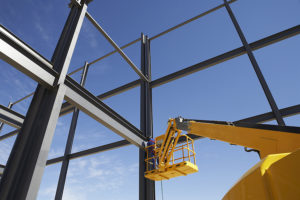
<point x="276" y="176"/>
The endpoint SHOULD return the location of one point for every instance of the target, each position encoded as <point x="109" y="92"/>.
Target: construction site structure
<point x="22" y="174"/>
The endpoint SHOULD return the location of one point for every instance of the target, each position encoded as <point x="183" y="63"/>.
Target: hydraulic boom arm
<point x="267" y="139"/>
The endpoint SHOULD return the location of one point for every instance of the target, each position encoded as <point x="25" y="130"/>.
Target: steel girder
<point x="262" y="118"/>
<point x="92" y="106"/>
<point x="11" y="117"/>
<point x="227" y="56"/>
<point x="25" y="59"/>
<point x="67" y="107"/>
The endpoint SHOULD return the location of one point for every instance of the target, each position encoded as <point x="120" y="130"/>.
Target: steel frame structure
<point x="23" y="172"/>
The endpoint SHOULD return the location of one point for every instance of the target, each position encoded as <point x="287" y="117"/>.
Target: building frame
<point x="23" y="172"/>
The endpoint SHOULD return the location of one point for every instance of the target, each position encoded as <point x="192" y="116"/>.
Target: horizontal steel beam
<point x="91" y="151"/>
<point x="190" y="20"/>
<point x="285" y="112"/>
<point x="226" y="56"/>
<point x="11" y="117"/>
<point x="15" y="52"/>
<point x="92" y="106"/>
<point x="24" y="58"/>
<point x="68" y="108"/>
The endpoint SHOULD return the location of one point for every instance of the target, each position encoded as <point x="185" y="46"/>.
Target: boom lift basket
<point x="179" y="160"/>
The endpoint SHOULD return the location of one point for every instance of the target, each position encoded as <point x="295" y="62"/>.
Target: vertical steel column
<point x="68" y="149"/>
<point x="257" y="70"/>
<point x="24" y="169"/>
<point x="146" y="187"/>
<point x="10" y="104"/>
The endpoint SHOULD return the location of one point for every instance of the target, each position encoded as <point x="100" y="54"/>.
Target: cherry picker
<point x="275" y="176"/>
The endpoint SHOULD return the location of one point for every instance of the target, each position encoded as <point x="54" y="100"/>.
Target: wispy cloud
<point x="92" y="175"/>
<point x="89" y="33"/>
<point x="45" y="35"/>
<point x="55" y="152"/>
<point x="5" y="149"/>
<point x="48" y="193"/>
<point x="108" y="174"/>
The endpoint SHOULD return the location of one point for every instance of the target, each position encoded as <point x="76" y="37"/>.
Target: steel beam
<point x="256" y="67"/>
<point x="155" y="36"/>
<point x="121" y="128"/>
<point x="124" y="128"/>
<point x="190" y="20"/>
<point x="262" y="118"/>
<point x="15" y="52"/>
<point x="269" y="116"/>
<point x="227" y="56"/>
<point x="67" y="107"/>
<point x="92" y="106"/>
<point x="118" y="49"/>
<point x="146" y="186"/>
<point x="102" y="148"/>
<point x="1" y="123"/>
<point x="11" y="117"/>
<point x="23" y="173"/>
<point x="8" y="135"/>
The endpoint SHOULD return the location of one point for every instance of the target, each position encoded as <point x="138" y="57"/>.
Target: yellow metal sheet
<point x="275" y="177"/>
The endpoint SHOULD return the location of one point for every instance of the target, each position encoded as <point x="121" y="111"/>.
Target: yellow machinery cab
<point x="171" y="156"/>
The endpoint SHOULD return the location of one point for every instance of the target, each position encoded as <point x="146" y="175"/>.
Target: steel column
<point x="254" y="63"/>
<point x="23" y="172"/>
<point x="146" y="186"/>
<point x="68" y="149"/>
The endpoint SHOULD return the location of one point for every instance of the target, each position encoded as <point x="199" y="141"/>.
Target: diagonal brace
<point x="118" y="49"/>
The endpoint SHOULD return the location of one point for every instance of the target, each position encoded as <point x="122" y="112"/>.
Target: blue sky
<point x="228" y="91"/>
